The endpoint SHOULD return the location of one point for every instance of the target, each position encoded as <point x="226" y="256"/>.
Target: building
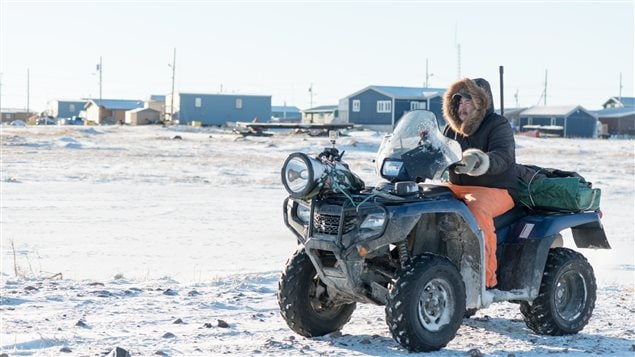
<point x="219" y="109"/>
<point x="617" y="121"/>
<point x="285" y="114"/>
<point x="156" y="102"/>
<point x="563" y="121"/>
<point x="619" y="102"/>
<point x="109" y="111"/>
<point x="617" y="116"/>
<point x="143" y="116"/>
<point x="9" y="115"/>
<point x="382" y="106"/>
<point x="513" y="115"/>
<point x="324" y="114"/>
<point x="60" y="108"/>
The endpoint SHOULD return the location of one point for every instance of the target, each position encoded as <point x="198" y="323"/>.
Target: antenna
<point x="516" y="98"/>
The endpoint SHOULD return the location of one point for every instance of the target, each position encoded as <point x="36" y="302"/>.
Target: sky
<point x="580" y="51"/>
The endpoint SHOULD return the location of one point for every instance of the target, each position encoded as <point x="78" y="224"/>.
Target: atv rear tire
<point x="427" y="303"/>
<point x="304" y="301"/>
<point x="567" y="295"/>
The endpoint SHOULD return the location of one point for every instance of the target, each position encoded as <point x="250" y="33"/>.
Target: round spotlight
<point x="299" y="174"/>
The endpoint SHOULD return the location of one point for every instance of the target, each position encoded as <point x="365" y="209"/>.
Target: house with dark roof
<point x="383" y="106"/>
<point x="563" y="121"/>
<point x="617" y="116"/>
<point x="513" y="115"/>
<point x="219" y="109"/>
<point x="617" y="121"/>
<point x="109" y="111"/>
<point x="285" y="114"/>
<point x="324" y="114"/>
<point x="619" y="102"/>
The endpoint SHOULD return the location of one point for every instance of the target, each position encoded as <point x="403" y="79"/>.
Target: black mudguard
<point x="523" y="264"/>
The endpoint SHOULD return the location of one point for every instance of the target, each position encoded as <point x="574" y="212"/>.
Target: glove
<point x="474" y="163"/>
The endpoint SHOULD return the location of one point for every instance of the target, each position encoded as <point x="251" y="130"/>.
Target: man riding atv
<point x="413" y="246"/>
<point x="485" y="178"/>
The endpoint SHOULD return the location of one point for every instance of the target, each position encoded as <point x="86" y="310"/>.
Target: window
<point x="384" y="106"/>
<point x="198" y="102"/>
<point x="71" y="107"/>
<point x="239" y="103"/>
<point x="356" y="105"/>
<point x="418" y="105"/>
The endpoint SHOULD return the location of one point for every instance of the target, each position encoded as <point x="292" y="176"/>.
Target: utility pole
<point x="545" y="88"/>
<point x="311" y="96"/>
<point x="458" y="51"/>
<point x="458" y="60"/>
<point x="516" y="98"/>
<point x="427" y="75"/>
<point x="173" y="76"/>
<point x="620" y="91"/>
<point x="28" y="90"/>
<point x="500" y="72"/>
<point x="99" y="67"/>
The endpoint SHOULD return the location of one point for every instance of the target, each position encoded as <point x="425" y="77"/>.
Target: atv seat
<point x="509" y="217"/>
<point x="502" y="222"/>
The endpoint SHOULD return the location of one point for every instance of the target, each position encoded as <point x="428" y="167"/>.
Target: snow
<point x="133" y="237"/>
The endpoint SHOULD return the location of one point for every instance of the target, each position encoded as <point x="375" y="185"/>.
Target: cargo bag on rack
<point x="555" y="190"/>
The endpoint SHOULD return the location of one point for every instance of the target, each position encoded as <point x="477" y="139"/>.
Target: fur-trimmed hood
<point x="479" y="90"/>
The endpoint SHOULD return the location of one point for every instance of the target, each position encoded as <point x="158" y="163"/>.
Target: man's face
<point x="466" y="107"/>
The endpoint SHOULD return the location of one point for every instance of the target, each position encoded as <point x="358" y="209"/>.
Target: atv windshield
<point x="419" y="146"/>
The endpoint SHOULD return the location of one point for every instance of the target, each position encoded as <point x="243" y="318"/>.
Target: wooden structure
<point x="258" y="129"/>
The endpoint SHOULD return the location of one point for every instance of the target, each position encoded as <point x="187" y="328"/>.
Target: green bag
<point x="557" y="190"/>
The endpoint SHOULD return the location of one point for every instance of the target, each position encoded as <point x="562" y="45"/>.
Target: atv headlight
<point x="301" y="175"/>
<point x="391" y="168"/>
<point x="373" y="224"/>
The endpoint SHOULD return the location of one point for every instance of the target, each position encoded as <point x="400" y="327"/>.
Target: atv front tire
<point x="567" y="295"/>
<point x="304" y="300"/>
<point x="427" y="303"/>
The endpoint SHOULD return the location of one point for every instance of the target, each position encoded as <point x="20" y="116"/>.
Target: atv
<point x="410" y="245"/>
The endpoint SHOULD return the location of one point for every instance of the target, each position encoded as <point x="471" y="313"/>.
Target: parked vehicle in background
<point x="74" y="120"/>
<point x="18" y="123"/>
<point x="45" y="121"/>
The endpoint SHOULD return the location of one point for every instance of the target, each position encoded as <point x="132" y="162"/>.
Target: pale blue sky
<point x="280" y="48"/>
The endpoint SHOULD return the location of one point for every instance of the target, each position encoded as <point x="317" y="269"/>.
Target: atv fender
<point x="525" y="254"/>
<point x="470" y="262"/>
<point x="523" y="263"/>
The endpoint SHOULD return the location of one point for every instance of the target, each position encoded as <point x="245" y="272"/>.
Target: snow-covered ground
<point x="170" y="241"/>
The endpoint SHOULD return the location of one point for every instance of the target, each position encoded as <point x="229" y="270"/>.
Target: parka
<point x="484" y="130"/>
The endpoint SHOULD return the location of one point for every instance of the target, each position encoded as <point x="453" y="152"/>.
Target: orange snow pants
<point x="485" y="203"/>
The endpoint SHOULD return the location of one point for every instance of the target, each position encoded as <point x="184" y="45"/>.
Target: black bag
<point x="555" y="190"/>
